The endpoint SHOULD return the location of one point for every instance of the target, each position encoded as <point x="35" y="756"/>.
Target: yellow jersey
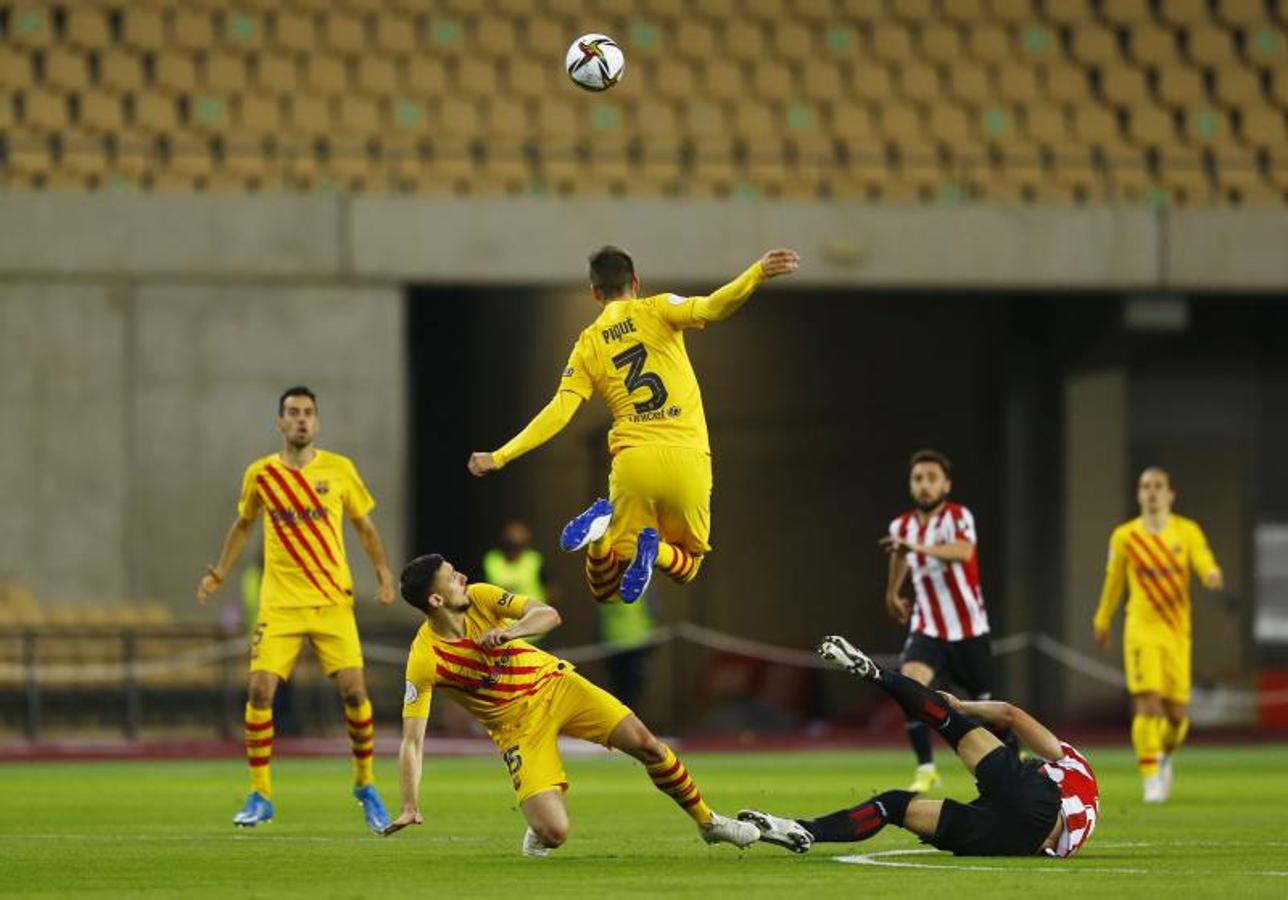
<point x="304" y="511"/>
<point x="494" y="686"/>
<point x="633" y="355"/>
<point x="1156" y="568"/>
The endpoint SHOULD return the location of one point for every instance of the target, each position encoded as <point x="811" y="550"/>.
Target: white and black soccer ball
<point x="595" y="62"/>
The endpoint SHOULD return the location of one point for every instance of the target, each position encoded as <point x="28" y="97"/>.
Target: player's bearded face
<point x="451" y="587"/>
<point x="299" y="422"/>
<point x="928" y="486"/>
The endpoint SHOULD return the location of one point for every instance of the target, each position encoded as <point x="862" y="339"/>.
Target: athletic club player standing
<point x="935" y="543"/>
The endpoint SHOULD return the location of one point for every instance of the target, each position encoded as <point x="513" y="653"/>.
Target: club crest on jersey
<point x="410" y="695"/>
<point x="673" y="412"/>
<point x="568" y="372"/>
<point x="322" y="487"/>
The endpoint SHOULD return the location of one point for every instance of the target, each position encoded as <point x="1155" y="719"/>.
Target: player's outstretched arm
<point x="1000" y="715"/>
<point x="234" y="543"/>
<point x="725" y="301"/>
<point x="375" y="549"/>
<point x="544" y="425"/>
<point x="410" y="756"/>
<point x="538" y="618"/>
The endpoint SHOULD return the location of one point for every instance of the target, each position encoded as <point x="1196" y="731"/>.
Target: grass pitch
<point x="162" y="829"/>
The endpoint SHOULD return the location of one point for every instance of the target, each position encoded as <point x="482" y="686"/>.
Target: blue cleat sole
<point x="639" y="573"/>
<point x="590" y="525"/>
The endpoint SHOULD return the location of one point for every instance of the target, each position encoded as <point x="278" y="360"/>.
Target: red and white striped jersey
<point x="1079" y="799"/>
<point x="949" y="604"/>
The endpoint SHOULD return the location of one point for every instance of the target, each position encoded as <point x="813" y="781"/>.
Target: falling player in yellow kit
<point x="658" y="511"/>
<point x="1153" y="556"/>
<point x="307" y="591"/>
<point x="472" y="645"/>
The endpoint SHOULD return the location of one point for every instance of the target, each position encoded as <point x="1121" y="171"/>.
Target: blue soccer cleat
<point x="590" y="525"/>
<point x="373" y="810"/>
<point x="640" y="572"/>
<point x="258" y="809"/>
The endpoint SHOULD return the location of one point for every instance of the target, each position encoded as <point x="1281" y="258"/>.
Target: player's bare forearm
<point x="410" y="756"/>
<point x="234" y="543"/>
<point x="375" y="550"/>
<point x="898" y="607"/>
<point x="537" y="619"/>
<point x="1000" y="715"/>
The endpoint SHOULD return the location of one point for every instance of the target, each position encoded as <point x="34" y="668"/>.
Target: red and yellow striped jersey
<point x="1156" y="568"/>
<point x="304" y="511"/>
<point x="495" y="686"/>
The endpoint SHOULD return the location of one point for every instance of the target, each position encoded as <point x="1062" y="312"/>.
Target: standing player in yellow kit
<point x="304" y="495"/>
<point x="658" y="511"/>
<point x="1153" y="555"/>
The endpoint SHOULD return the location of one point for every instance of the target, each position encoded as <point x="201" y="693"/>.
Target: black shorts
<point x="967" y="663"/>
<point x="1014" y="813"/>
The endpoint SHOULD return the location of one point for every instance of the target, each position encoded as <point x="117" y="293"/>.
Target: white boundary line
<point x="880" y="859"/>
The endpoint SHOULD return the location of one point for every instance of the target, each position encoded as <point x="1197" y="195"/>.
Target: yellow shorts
<point x="1158" y="667"/>
<point x="279" y="634"/>
<point x="667" y="488"/>
<point x="571" y="705"/>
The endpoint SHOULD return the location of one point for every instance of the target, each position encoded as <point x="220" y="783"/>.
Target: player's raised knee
<point x="552" y="834"/>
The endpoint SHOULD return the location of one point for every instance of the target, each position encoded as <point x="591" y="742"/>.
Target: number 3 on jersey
<point x="636" y="378"/>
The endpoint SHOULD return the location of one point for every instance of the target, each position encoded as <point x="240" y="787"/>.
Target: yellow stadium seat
<point x="1065" y="83"/>
<point x="744" y="39"/>
<point x="1047" y="125"/>
<point x="1238" y="87"/>
<point x="224" y="71"/>
<point x="119" y="70"/>
<point x="1017" y="83"/>
<point x="1236" y="169"/>
<point x="969" y="82"/>
<point x="1210" y="45"/>
<point x="344" y="33"/>
<point x="1013" y="12"/>
<point x="696" y="41"/>
<point x="325" y="75"/>
<point x="377" y="76"/>
<point x="915" y="12"/>
<point x="425" y="76"/>
<point x="44" y="111"/>
<point x="919" y="82"/>
<point x="529" y="78"/>
<point x="496" y="37"/>
<point x="84" y="157"/>
<point x="505" y="117"/>
<point x="1094" y="44"/>
<point x="792" y="41"/>
<point x="66" y="70"/>
<point x="855" y="129"/>
<point x="143" y="29"/>
<point x="1179" y="85"/>
<point x="190" y="156"/>
<point x="813" y="11"/>
<point x="1128" y="177"/>
<point x="257" y="114"/>
<point x="989" y="43"/>
<point x="1264" y="127"/>
<point x="175" y="72"/>
<point x="1182" y="174"/>
<point x="1152" y="44"/>
<point x="15" y="68"/>
<point x="154" y="114"/>
<point x="773" y="81"/>
<point x="949" y="123"/>
<point x="1241" y="12"/>
<point x="1150" y="125"/>
<point x="475" y="77"/>
<point x="722" y="79"/>
<point x="101" y="112"/>
<point x="941" y="43"/>
<point x="901" y="123"/>
<point x="754" y="121"/>
<point x="308" y="116"/>
<point x="276" y="74"/>
<point x="1076" y="169"/>
<point x="1183" y="12"/>
<point x="704" y="120"/>
<point x="871" y="82"/>
<point x="716" y="10"/>
<point x="1067" y="12"/>
<point x="395" y="34"/>
<point x="87" y="28"/>
<point x="676" y="79"/>
<point x="1266" y="45"/>
<point x="1123" y="85"/>
<point x="1279" y="84"/>
<point x="191" y="30"/>
<point x="293" y="31"/>
<point x="863" y="10"/>
<point x="892" y="43"/>
<point x="1094" y="124"/>
<point x="962" y="12"/>
<point x="821" y="81"/>
<point x="1129" y="13"/>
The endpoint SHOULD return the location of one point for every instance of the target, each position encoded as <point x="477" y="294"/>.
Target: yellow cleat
<point x="925" y="780"/>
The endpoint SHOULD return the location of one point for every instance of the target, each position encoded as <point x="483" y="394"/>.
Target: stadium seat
<point x="1126" y="13"/>
<point x="121" y="71"/>
<point x="892" y="43"/>
<point x="1152" y="45"/>
<point x="792" y="41"/>
<point x="66" y="69"/>
<point x="1017" y="83"/>
<point x="395" y="35"/>
<point x="1264" y="128"/>
<point x="175" y="73"/>
<point x="919" y="82"/>
<point x="294" y="32"/>
<point x="1237" y="87"/>
<point x="1210" y="45"/>
<point x="100" y="112"/>
<point x="343" y="33"/>
<point x="962" y="12"/>
<point x="1094" y="44"/>
<point x="1184" y="12"/>
<point x="276" y="74"/>
<point x="325" y="75"/>
<point x="940" y="43"/>
<point x="1065" y="82"/>
<point x="990" y="43"/>
<point x="191" y="30"/>
<point x="871" y="82"/>
<point x="1179" y="85"/>
<point x="224" y="72"/>
<point x="87" y="28"/>
<point x="1150" y="125"/>
<point x="970" y="83"/>
<point x="744" y="40"/>
<point x="1123" y="85"/>
<point x="376" y="76"/>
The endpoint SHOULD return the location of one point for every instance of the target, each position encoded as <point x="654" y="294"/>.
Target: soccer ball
<point x="595" y="62"/>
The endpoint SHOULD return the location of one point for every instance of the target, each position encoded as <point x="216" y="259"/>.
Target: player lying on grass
<point x="472" y="646"/>
<point x="658" y="511"/>
<point x="1048" y="805"/>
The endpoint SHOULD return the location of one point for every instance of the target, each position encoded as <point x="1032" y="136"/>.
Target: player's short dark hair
<point x="1167" y="476"/>
<point x="298" y="391"/>
<point x="417" y="580"/>
<point x="611" y="271"/>
<point x="931" y="456"/>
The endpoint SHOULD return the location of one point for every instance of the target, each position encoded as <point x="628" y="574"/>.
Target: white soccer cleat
<point x="786" y="833"/>
<point x="1155" y="789"/>
<point x="533" y="847"/>
<point x="729" y="831"/>
<point x="1165" y="775"/>
<point x="841" y="654"/>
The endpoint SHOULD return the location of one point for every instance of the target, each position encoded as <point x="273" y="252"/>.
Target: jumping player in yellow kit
<point x="658" y="511"/>
<point x="472" y="645"/>
<point x="1154" y="556"/>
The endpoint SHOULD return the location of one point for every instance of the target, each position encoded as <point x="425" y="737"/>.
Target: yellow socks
<point x="1174" y="734"/>
<point x="603" y="574"/>
<point x="673" y="779"/>
<point x="362" y="737"/>
<point x="1147" y="738"/>
<point x="259" y="748"/>
<point x="677" y="562"/>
